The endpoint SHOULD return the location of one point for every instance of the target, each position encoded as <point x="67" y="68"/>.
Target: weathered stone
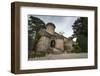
<point x="53" y="42"/>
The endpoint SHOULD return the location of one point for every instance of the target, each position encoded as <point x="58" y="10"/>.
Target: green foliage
<point x="38" y="36"/>
<point x="37" y="54"/>
<point x="66" y="47"/>
<point x="31" y="42"/>
<point x="83" y="43"/>
<point x="76" y="49"/>
<point x="34" y="25"/>
<point x="40" y="54"/>
<point x="80" y="28"/>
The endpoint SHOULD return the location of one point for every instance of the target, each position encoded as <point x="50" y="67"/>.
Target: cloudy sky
<point x="62" y="23"/>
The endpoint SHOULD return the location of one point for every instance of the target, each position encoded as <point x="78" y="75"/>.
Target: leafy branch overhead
<point x="35" y="23"/>
<point x="80" y="26"/>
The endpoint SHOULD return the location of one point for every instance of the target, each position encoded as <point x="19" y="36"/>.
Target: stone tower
<point x="50" y="28"/>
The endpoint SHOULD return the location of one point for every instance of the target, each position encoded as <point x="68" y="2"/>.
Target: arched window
<point x="53" y="43"/>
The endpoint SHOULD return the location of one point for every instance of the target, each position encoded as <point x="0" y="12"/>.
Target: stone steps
<point x="57" y="51"/>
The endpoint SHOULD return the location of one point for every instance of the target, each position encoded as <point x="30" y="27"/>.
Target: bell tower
<point x="50" y="28"/>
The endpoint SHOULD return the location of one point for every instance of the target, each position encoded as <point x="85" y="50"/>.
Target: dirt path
<point x="62" y="56"/>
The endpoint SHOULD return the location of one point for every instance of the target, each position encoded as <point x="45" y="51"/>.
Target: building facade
<point x="52" y="42"/>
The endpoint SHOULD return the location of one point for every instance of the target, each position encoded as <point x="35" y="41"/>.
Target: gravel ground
<point x="62" y="56"/>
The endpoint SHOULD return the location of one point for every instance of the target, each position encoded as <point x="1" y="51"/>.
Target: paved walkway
<point x="62" y="56"/>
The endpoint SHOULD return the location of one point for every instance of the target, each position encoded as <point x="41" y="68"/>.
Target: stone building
<point x="52" y="42"/>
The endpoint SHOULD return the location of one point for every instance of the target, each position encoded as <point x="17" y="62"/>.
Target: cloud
<point x="62" y="23"/>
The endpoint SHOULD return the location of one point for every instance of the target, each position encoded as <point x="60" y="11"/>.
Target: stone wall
<point x="50" y="29"/>
<point x="43" y="44"/>
<point x="68" y="43"/>
<point x="60" y="44"/>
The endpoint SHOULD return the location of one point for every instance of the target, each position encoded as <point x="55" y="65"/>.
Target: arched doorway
<point x="53" y="43"/>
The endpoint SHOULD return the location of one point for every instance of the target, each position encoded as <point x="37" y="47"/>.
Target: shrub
<point x="40" y="54"/>
<point x="76" y="49"/>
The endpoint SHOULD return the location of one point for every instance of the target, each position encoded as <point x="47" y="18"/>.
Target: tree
<point x="80" y="28"/>
<point x="34" y="25"/>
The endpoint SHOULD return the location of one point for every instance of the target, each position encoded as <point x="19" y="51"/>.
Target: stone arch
<point x="53" y="43"/>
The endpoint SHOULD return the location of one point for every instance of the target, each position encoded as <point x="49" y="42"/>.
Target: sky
<point x="62" y="23"/>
